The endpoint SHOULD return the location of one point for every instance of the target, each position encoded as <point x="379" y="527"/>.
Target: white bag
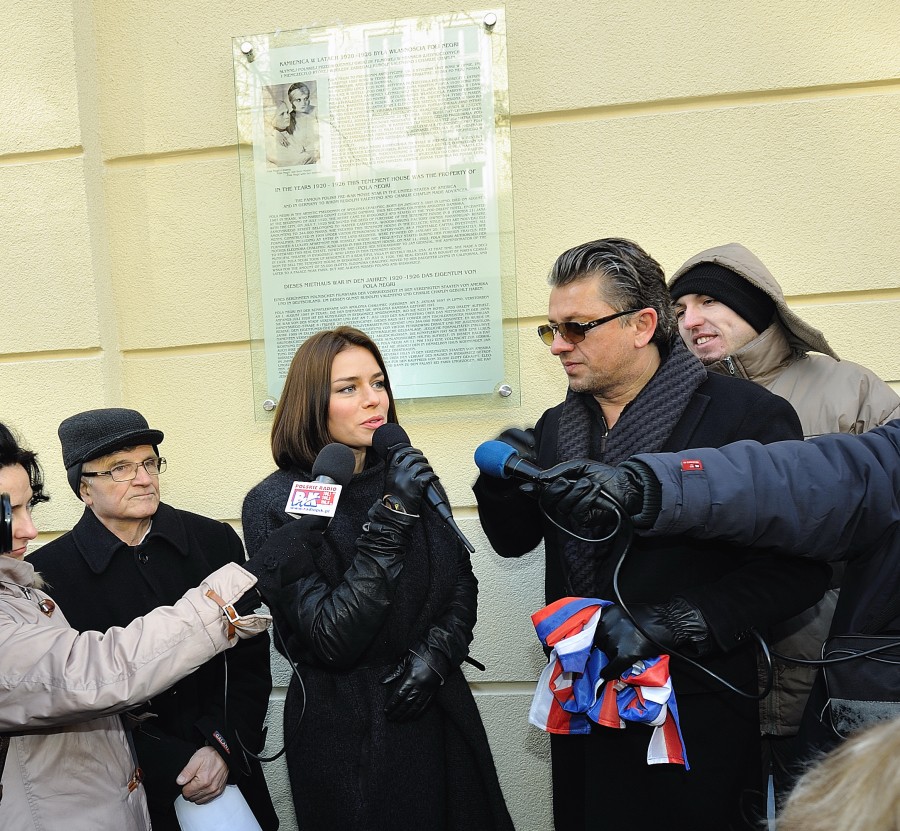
<point x="228" y="810"/>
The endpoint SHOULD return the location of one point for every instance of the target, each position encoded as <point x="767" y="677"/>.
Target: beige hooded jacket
<point x="793" y="360"/>
<point x="69" y="764"/>
<point x="830" y="395"/>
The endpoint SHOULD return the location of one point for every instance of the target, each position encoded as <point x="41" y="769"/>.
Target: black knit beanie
<point x="728" y="287"/>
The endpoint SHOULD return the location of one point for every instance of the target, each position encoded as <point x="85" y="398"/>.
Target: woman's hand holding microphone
<point x="408" y="474"/>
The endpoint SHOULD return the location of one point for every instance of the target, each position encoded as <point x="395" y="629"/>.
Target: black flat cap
<point x="94" y="433"/>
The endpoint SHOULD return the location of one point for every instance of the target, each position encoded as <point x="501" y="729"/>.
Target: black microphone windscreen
<point x="387" y="437"/>
<point x="335" y="461"/>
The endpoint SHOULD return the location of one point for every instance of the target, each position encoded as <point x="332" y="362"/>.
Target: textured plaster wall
<point x="680" y="126"/>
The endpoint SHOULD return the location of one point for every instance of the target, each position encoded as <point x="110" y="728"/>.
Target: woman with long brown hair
<point x="383" y="731"/>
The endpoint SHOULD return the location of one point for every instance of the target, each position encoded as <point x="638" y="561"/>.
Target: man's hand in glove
<point x="522" y="441"/>
<point x="579" y="489"/>
<point x="675" y="624"/>
<point x="408" y="475"/>
<point x="418" y="683"/>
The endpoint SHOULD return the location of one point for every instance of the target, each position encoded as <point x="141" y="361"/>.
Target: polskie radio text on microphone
<point x="318" y="499"/>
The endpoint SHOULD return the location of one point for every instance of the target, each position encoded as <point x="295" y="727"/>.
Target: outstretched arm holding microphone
<point x="830" y="498"/>
<point x="587" y="492"/>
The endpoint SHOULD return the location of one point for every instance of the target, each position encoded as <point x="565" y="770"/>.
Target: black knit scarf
<point x="643" y="427"/>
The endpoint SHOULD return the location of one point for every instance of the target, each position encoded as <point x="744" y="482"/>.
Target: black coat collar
<point x="97" y="544"/>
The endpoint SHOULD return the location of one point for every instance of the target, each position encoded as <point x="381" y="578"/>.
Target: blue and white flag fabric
<point x="571" y="697"/>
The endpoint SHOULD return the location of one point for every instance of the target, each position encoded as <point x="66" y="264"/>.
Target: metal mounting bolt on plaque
<point x="247" y="49"/>
<point x="269" y="404"/>
<point x="490" y="20"/>
<point x="504" y="390"/>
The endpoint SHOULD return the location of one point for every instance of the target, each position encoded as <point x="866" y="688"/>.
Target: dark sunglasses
<point x="572" y="332"/>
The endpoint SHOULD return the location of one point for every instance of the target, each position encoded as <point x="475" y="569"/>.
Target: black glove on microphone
<point x="576" y="489"/>
<point x="408" y="474"/>
<point x="675" y="624"/>
<point x="523" y="442"/>
<point x="249" y="602"/>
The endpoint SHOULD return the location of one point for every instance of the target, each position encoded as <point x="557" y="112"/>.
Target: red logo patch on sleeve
<point x="691" y="464"/>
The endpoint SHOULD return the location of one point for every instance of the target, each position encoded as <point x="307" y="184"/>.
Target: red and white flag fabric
<point x="571" y="697"/>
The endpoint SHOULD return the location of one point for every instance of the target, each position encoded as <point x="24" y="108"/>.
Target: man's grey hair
<point x="628" y="277"/>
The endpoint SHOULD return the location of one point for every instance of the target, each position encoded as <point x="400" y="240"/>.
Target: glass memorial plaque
<point x="375" y="177"/>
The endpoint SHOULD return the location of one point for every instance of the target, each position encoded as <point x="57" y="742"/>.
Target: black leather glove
<point x="408" y="474"/>
<point x="387" y="532"/>
<point x="577" y="489"/>
<point x="419" y="681"/>
<point x="522" y="441"/>
<point x="675" y="624"/>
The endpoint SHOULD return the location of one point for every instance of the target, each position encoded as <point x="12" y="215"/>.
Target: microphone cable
<point x="852" y="656"/>
<point x="295" y="671"/>
<point x="622" y="536"/>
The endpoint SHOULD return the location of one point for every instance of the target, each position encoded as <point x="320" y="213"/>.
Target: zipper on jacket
<point x="604" y="435"/>
<point x="729" y="365"/>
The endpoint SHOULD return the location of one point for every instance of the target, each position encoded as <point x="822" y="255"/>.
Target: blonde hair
<point x="854" y="788"/>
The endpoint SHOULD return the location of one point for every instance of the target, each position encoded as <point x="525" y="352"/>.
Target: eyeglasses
<point x="572" y="332"/>
<point x="127" y="471"/>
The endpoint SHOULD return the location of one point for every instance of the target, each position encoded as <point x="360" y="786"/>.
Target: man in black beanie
<point x="733" y="316"/>
<point x="130" y="553"/>
<point x="747" y="309"/>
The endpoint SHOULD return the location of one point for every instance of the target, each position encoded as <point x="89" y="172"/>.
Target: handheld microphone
<point x="276" y="563"/>
<point x="500" y="460"/>
<point x="333" y="466"/>
<point x="387" y="440"/>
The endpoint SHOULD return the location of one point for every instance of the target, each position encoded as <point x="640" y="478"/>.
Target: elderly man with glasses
<point x="633" y="385"/>
<point x="130" y="553"/>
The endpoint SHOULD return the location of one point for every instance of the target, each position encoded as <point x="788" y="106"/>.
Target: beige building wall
<point x="678" y="125"/>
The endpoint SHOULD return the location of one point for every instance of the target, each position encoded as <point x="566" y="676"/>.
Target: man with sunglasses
<point x="633" y="385"/>
<point x="130" y="553"/>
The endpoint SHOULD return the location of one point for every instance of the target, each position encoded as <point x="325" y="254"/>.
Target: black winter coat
<point x="353" y="614"/>
<point x="748" y="589"/>
<point x="101" y="582"/>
